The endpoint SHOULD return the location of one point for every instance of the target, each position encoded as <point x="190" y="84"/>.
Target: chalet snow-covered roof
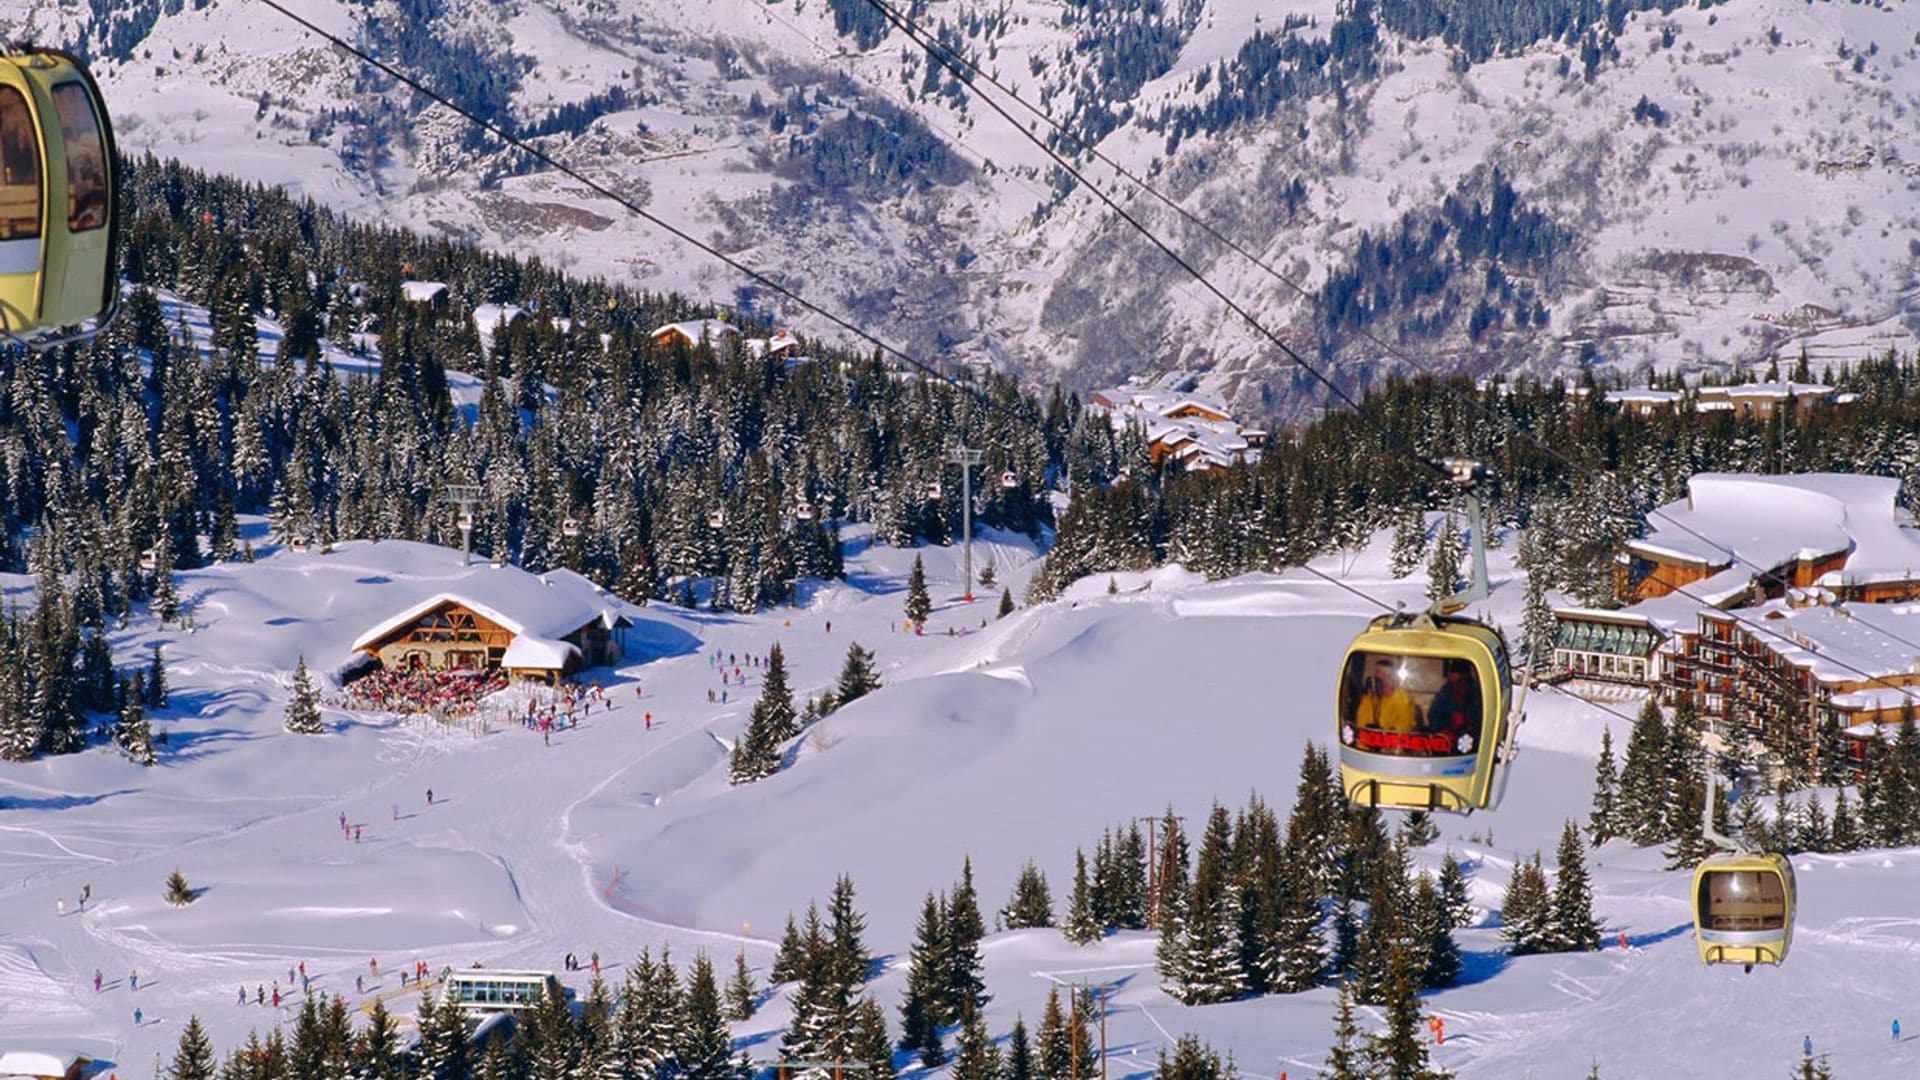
<point x="421" y="292"/>
<point x="1644" y="396"/>
<point x="1846" y="644"/>
<point x="543" y="654"/>
<point x="1770" y="391"/>
<point x="1765" y="521"/>
<point x="37" y="1062"/>
<point x="490" y="317"/>
<point x="533" y="607"/>
<point x="696" y="329"/>
<point x="781" y="341"/>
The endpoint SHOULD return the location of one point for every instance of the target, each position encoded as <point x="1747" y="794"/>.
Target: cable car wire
<point x="939" y="52"/>
<point x="934" y="49"/>
<point x="602" y="190"/>
<point x="954" y="64"/>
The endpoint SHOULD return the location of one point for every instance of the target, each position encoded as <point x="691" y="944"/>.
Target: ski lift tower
<point x="465" y="496"/>
<point x="968" y="460"/>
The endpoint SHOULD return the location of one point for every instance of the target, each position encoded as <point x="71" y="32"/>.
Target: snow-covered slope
<point x="1021" y="738"/>
<point x="1731" y="183"/>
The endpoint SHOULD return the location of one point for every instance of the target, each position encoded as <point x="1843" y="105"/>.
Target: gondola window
<point x="1410" y="706"/>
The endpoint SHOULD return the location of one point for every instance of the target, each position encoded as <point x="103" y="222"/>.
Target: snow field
<point x="1022" y="740"/>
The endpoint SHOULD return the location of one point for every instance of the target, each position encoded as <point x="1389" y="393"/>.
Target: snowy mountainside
<point x="1022" y="738"/>
<point x="1721" y="182"/>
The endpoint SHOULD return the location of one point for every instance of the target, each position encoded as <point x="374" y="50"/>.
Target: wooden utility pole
<point x="1073" y="1034"/>
<point x="1153" y="868"/>
<point x="1103" y="1033"/>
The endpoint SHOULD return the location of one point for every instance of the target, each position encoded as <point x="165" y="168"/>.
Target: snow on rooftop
<point x="697" y="329"/>
<point x="529" y="605"/>
<point x="1644" y="395"/>
<point x="490" y="317"/>
<point x="1772" y="390"/>
<point x="420" y="292"/>
<point x="1842" y="644"/>
<point x="1746" y="521"/>
<point x="36" y="1063"/>
<point x="527" y="651"/>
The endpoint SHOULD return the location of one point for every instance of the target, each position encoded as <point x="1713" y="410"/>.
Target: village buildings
<point x="1192" y="431"/>
<point x="1764" y="599"/>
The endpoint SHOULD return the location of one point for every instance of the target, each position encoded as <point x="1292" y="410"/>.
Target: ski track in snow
<point x="532" y="851"/>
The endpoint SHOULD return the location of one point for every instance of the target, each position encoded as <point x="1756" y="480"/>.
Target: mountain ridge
<point x="1728" y="183"/>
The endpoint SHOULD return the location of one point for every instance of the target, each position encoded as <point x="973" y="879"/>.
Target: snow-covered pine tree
<point x="1388" y="926"/>
<point x="1815" y="831"/>
<point x="1417" y="830"/>
<point x="705" y="1046"/>
<point x="966" y="988"/>
<point x="1574" y="927"/>
<point x="741" y="992"/>
<point x="772" y="722"/>
<point x="1006" y="604"/>
<point x="1409" y="543"/>
<point x="549" y="1040"/>
<point x="1684" y="755"/>
<point x="156" y="681"/>
<point x="1082" y="926"/>
<point x="871" y="1045"/>
<point x="1128" y="900"/>
<point x="1812" y="1068"/>
<point x="1453" y="892"/>
<point x="1537" y="624"/>
<point x="193" y="1057"/>
<point x="646" y="1032"/>
<point x="845" y="958"/>
<point x="919" y="604"/>
<point x="1209" y="950"/>
<point x="166" y="596"/>
<point x="1192" y="1060"/>
<point x="303" y="704"/>
<point x="1845" y="832"/>
<point x="1020" y="1060"/>
<point x="1432" y="938"/>
<point x="790" y="959"/>
<point x="975" y="1057"/>
<point x="921" y="1008"/>
<point x="1526" y="913"/>
<point x="1295" y="956"/>
<point x="1643" y="781"/>
<point x="1170" y="877"/>
<point x="131" y="731"/>
<point x="443" y="1052"/>
<point x="178" y="892"/>
<point x="376" y="1052"/>
<point x="858" y="677"/>
<point x="1606" y="785"/>
<point x="1064" y="1045"/>
<point x="1031" y="904"/>
<point x="1399" y="1052"/>
<point x="1443" y="565"/>
<point x="1346" y="1060"/>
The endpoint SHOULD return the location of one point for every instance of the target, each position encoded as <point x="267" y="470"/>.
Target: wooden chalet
<point x="543" y="640"/>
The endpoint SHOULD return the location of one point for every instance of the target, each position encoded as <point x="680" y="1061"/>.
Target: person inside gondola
<point x="1386" y="706"/>
<point x="1456" y="707"/>
<point x="19" y="169"/>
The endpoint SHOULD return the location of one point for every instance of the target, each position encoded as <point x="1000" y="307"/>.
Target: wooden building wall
<point x="450" y="636"/>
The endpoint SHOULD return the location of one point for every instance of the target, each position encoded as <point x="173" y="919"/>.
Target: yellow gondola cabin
<point x="1423" y="714"/>
<point x="1743" y="909"/>
<point x="58" y="229"/>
